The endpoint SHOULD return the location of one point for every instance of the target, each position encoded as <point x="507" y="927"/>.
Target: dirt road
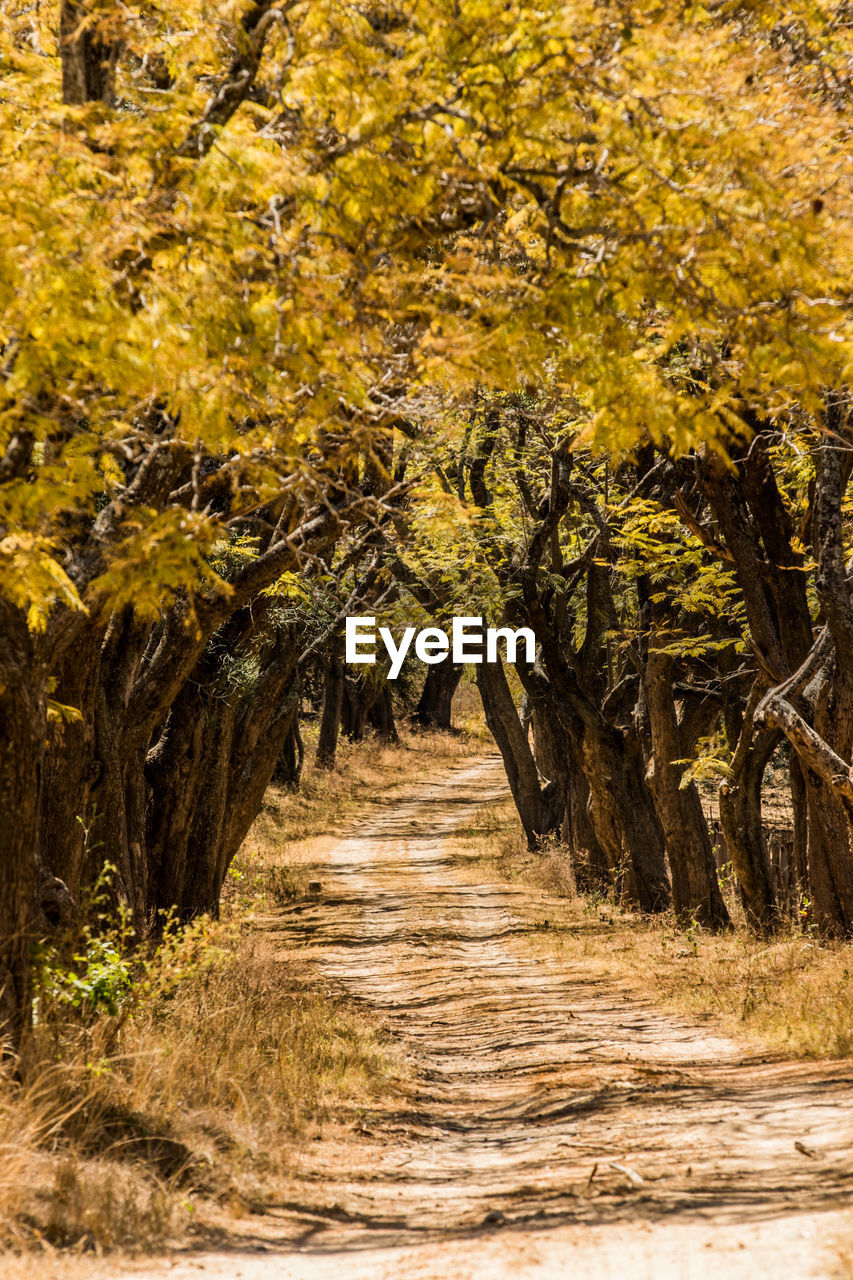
<point x="549" y="1127"/>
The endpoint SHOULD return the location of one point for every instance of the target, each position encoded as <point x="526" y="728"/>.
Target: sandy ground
<point x="549" y="1125"/>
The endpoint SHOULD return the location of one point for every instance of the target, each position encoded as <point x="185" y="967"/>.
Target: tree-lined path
<point x="547" y="1122"/>
<point x="531" y="315"/>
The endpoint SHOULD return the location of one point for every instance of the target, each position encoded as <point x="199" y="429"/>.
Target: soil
<point x="547" y="1125"/>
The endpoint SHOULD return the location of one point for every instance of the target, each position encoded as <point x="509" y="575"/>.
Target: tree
<point x="813" y="705"/>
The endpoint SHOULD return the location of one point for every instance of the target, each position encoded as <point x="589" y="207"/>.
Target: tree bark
<point x="799" y="808"/>
<point x="288" y="766"/>
<point x="695" y="889"/>
<point x="221" y="748"/>
<point x="89" y="54"/>
<point x="71" y="770"/>
<point x="740" y="818"/>
<point x="380" y="715"/>
<point x="434" y="706"/>
<point x="23" y="715"/>
<point x="829" y="787"/>
<point x="624" y="819"/>
<point x="539" y="809"/>
<point x="589" y="861"/>
<point x="620" y="804"/>
<point x="358" y="697"/>
<point x="330" y="719"/>
<point x="752" y="516"/>
<point x="558" y="760"/>
<point x="138" y="674"/>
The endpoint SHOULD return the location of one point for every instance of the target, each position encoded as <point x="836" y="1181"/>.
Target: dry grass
<point x="128" y="1128"/>
<point x="792" y="995"/>
<point x="222" y="1057"/>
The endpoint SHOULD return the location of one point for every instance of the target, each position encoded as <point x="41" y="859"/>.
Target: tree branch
<point x="235" y="87"/>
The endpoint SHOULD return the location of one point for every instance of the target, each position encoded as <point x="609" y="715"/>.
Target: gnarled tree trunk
<point x="23" y="716"/>
<point x="358" y="697"/>
<point x="558" y="760"/>
<point x="740" y="818"/>
<point x="624" y="818"/>
<point x="695" y="889"/>
<point x="223" y="745"/>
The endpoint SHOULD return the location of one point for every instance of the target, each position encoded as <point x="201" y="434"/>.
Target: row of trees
<point x="292" y="293"/>
<point x="691" y="618"/>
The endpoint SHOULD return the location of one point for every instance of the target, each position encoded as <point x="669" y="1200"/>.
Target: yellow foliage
<point x="595" y="198"/>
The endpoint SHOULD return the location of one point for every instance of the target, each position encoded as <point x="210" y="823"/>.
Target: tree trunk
<point x="288" y="768"/>
<point x="71" y="770"/>
<point x="558" y="761"/>
<point x="816" y="720"/>
<point x="799" y="807"/>
<point x="222" y="745"/>
<point x="89" y="55"/>
<point x="695" y="888"/>
<point x="330" y="720"/>
<point x="829" y="788"/>
<point x="239" y="804"/>
<point x="434" y="707"/>
<point x="740" y="818"/>
<point x="821" y="690"/>
<point x="540" y="810"/>
<point x="358" y="696"/>
<point x="118" y="795"/>
<point x="830" y="802"/>
<point x="137" y="687"/>
<point x="830" y="881"/>
<point x="620" y="807"/>
<point x="23" y="715"/>
<point x="589" y="861"/>
<point x="624" y="819"/>
<point x="380" y="715"/>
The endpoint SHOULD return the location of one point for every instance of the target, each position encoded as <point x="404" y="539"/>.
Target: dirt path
<point x="550" y="1127"/>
